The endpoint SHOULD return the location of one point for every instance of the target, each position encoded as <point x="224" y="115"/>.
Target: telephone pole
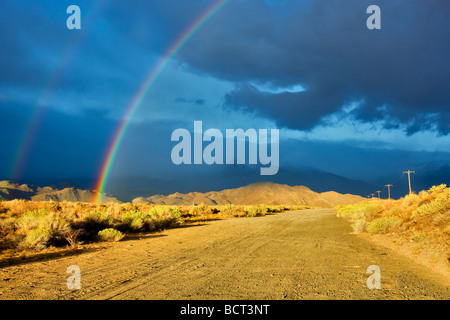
<point x="378" y="194"/>
<point x="372" y="194"/>
<point x="389" y="189"/>
<point x="409" y="179"/>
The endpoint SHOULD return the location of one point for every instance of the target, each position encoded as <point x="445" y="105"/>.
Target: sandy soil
<point x="307" y="254"/>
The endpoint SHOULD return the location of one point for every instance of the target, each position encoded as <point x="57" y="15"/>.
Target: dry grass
<point x="418" y="218"/>
<point x="33" y="225"/>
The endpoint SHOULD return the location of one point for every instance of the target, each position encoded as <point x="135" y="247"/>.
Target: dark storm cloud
<point x="74" y="70"/>
<point x="285" y="105"/>
<point x="401" y="73"/>
<point x="197" y="101"/>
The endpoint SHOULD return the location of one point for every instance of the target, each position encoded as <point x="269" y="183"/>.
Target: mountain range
<point x="267" y="193"/>
<point x="59" y="192"/>
<point x="231" y="177"/>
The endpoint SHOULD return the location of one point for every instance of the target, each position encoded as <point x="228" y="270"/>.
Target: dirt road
<point x="307" y="254"/>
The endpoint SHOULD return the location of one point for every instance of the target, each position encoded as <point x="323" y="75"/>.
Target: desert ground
<point x="308" y="254"/>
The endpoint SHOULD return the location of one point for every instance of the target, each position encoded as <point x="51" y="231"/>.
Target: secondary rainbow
<point x="143" y="89"/>
<point x="34" y="122"/>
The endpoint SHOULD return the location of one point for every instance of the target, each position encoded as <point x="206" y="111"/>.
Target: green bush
<point x="382" y="225"/>
<point x="31" y="219"/>
<point x="360" y="225"/>
<point x="99" y="218"/>
<point x="396" y="210"/>
<point x="110" y="234"/>
<point x="440" y="203"/>
<point x="279" y="208"/>
<point x="229" y="210"/>
<point x="176" y="213"/>
<point x="159" y="211"/>
<point x="42" y="229"/>
<point x="165" y="223"/>
<point x="362" y="210"/>
<point x="253" y="211"/>
<point x="200" y="210"/>
<point x="37" y="238"/>
<point x="134" y="220"/>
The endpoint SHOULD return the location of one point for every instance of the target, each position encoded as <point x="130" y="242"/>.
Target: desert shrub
<point x="360" y="225"/>
<point x="382" y="225"/>
<point x="110" y="234"/>
<point x="435" y="206"/>
<point x="358" y="211"/>
<point x="441" y="218"/>
<point x="18" y="207"/>
<point x="9" y="223"/>
<point x="31" y="219"/>
<point x="200" y="210"/>
<point x="91" y="223"/>
<point x="176" y="212"/>
<point x="410" y="200"/>
<point x="372" y="211"/>
<point x="134" y="217"/>
<point x="114" y="210"/>
<point x="137" y="220"/>
<point x="395" y="210"/>
<point x="279" y="208"/>
<point x="98" y="218"/>
<point x="436" y="190"/>
<point x="447" y="230"/>
<point x="301" y="208"/>
<point x="7" y="233"/>
<point x="3" y="208"/>
<point x="165" y="223"/>
<point x="37" y="238"/>
<point x="439" y="204"/>
<point x="253" y="211"/>
<point x="42" y="229"/>
<point x="129" y="206"/>
<point x="263" y="209"/>
<point x="159" y="211"/>
<point x="60" y="230"/>
<point x="229" y="210"/>
<point x="158" y="217"/>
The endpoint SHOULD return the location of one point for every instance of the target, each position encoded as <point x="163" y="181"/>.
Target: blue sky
<point x="341" y="95"/>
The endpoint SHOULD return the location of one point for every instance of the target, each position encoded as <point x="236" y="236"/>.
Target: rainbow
<point x="33" y="123"/>
<point x="143" y="89"/>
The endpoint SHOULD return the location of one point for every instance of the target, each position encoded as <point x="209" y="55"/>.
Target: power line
<point x="389" y="189"/>
<point x="409" y="179"/>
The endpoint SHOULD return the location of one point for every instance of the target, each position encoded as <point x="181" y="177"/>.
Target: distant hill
<point x="60" y="192"/>
<point x="229" y="177"/>
<point x="267" y="193"/>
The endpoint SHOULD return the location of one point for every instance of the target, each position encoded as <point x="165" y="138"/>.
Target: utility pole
<point x="389" y="189"/>
<point x="372" y="194"/>
<point x="378" y="194"/>
<point x="409" y="179"/>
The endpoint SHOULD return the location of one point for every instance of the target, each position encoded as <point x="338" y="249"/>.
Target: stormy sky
<point x="358" y="103"/>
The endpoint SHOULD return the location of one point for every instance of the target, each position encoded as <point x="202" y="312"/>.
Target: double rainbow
<point x="143" y="89"/>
